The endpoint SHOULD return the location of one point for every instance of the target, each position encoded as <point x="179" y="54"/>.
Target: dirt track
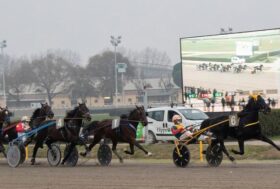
<point x="139" y="174"/>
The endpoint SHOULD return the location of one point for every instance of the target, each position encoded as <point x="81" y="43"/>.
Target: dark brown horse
<point x="68" y="133"/>
<point x="125" y="133"/>
<point x="6" y="128"/>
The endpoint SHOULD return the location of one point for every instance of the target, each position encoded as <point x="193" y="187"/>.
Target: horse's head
<point x="139" y="114"/>
<point x="83" y="111"/>
<point x="46" y="111"/>
<point x="5" y="115"/>
<point x="257" y="103"/>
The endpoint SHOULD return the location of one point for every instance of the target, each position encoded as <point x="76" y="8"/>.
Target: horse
<point x="5" y="128"/>
<point x="249" y="126"/>
<point x="68" y="133"/>
<point x="125" y="133"/>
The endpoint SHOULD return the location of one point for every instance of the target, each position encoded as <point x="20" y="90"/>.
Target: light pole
<point x="115" y="42"/>
<point x="3" y="44"/>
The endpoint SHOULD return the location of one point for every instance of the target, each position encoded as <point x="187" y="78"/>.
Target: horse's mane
<point x="71" y="113"/>
<point x="36" y="113"/>
<point x="131" y="112"/>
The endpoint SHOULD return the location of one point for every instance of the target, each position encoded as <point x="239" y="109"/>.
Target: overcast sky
<point x="85" y="26"/>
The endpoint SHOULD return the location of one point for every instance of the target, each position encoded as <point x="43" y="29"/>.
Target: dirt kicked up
<point x="138" y="174"/>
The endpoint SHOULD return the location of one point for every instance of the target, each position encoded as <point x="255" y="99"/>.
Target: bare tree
<point x="51" y="73"/>
<point x="148" y="58"/>
<point x="18" y="78"/>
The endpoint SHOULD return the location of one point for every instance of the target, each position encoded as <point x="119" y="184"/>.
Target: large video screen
<point x="224" y="69"/>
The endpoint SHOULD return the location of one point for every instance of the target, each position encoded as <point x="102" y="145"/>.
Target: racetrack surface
<point x="138" y="174"/>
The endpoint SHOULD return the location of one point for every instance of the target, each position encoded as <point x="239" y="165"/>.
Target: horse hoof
<point x="232" y="159"/>
<point x="149" y="154"/>
<point x="121" y="160"/>
<point x="83" y="154"/>
<point x="32" y="161"/>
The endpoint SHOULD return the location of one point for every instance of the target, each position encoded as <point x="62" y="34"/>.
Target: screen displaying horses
<point x="231" y="65"/>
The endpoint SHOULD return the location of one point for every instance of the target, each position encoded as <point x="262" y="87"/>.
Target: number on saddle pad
<point x="115" y="123"/>
<point x="233" y="120"/>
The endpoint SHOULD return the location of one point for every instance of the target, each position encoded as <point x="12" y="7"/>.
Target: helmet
<point x="25" y="118"/>
<point x="253" y="96"/>
<point x="176" y="118"/>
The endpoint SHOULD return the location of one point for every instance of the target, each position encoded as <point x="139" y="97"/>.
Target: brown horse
<point x="126" y="132"/>
<point x="69" y="133"/>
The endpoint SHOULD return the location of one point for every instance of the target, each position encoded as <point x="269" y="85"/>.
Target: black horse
<point x="125" y="133"/>
<point x="39" y="116"/>
<point x="248" y="127"/>
<point x="68" y="133"/>
<point x="6" y="128"/>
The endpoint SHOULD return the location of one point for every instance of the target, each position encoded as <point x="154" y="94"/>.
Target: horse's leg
<point x="35" y="149"/>
<point x="267" y="140"/>
<point x="2" y="149"/>
<point x="225" y="150"/>
<point x="131" y="152"/>
<point x="141" y="148"/>
<point x="241" y="147"/>
<point x="72" y="145"/>
<point x="114" y="149"/>
<point x="95" y="141"/>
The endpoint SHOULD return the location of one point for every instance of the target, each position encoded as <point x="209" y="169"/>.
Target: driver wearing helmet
<point x="22" y="127"/>
<point x="179" y="130"/>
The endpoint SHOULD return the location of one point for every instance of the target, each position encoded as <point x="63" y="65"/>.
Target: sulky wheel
<point x="214" y="155"/>
<point x="14" y="155"/>
<point x="54" y="155"/>
<point x="182" y="158"/>
<point x="23" y="153"/>
<point x="104" y="155"/>
<point x="73" y="158"/>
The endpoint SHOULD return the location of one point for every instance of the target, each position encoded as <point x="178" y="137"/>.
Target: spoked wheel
<point x="73" y="158"/>
<point x="14" y="155"/>
<point x="54" y="155"/>
<point x="104" y="155"/>
<point x="214" y="155"/>
<point x="182" y="158"/>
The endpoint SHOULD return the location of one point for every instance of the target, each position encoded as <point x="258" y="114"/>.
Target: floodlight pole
<point x="115" y="42"/>
<point x="3" y="44"/>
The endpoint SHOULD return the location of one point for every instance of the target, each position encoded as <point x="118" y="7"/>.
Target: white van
<point x="160" y="121"/>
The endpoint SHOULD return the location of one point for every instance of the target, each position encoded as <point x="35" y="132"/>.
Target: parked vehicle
<point x="160" y="121"/>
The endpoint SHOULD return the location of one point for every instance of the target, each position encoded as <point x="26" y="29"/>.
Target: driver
<point x="179" y="130"/>
<point x="22" y="127"/>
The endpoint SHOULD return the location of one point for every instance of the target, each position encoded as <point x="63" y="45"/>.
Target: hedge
<point x="271" y="123"/>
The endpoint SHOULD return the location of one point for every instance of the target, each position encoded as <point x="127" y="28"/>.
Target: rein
<point x="250" y="124"/>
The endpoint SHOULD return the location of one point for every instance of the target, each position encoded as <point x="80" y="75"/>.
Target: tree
<point x="18" y="78"/>
<point x="82" y="85"/>
<point x="102" y="66"/>
<point x="51" y="73"/>
<point x="149" y="58"/>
